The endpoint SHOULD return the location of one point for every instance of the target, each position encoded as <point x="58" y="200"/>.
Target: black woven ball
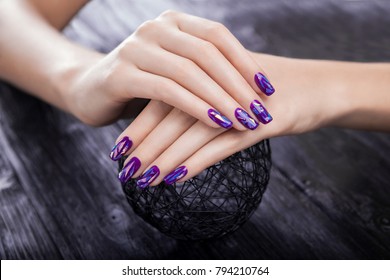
<point x="215" y="202"/>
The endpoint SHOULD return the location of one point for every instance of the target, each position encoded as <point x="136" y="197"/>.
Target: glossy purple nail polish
<point x="148" y="177"/>
<point x="129" y="169"/>
<point x="176" y="175"/>
<point x="246" y="120"/>
<point x="260" y="112"/>
<point x="219" y="119"/>
<point x="121" y="148"/>
<point x="264" y="84"/>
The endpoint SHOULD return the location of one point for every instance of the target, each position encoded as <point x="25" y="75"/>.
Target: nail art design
<point x="176" y="175"/>
<point x="246" y="120"/>
<point x="260" y="112"/>
<point x="121" y="148"/>
<point x="264" y="84"/>
<point x="219" y="119"/>
<point x="148" y="177"/>
<point x="130" y="168"/>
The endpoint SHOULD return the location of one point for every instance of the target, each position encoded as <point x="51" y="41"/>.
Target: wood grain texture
<point x="329" y="194"/>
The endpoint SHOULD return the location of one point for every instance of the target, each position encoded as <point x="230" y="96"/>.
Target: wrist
<point x="65" y="77"/>
<point x="364" y="94"/>
<point x="330" y="85"/>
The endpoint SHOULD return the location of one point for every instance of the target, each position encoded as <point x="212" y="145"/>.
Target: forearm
<point x="366" y="92"/>
<point x="43" y="67"/>
<point x="345" y="94"/>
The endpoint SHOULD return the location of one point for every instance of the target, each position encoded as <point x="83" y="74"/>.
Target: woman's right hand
<point x="190" y="63"/>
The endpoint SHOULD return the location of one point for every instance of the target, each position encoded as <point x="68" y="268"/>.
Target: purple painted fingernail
<point x="130" y="168"/>
<point x="260" y="112"/>
<point x="219" y="119"/>
<point x="246" y="120"/>
<point x="148" y="177"/>
<point x="121" y="148"/>
<point x="176" y="175"/>
<point x="264" y="84"/>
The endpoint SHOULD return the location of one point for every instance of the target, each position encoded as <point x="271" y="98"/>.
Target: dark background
<point x="329" y="194"/>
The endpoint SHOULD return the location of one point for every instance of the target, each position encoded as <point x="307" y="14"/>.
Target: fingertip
<point x="148" y="177"/>
<point x="121" y="148"/>
<point x="261" y="112"/>
<point x="246" y="119"/>
<point x="264" y="84"/>
<point x="175" y="175"/>
<point x="219" y="119"/>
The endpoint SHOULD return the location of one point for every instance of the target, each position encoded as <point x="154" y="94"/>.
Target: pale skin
<point x="185" y="61"/>
<point x="174" y="129"/>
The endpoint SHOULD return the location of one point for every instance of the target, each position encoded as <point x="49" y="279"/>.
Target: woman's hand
<point x="190" y="63"/>
<point x="171" y="145"/>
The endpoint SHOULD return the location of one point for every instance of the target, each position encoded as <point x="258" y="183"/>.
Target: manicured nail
<point x="176" y="175"/>
<point x="246" y="120"/>
<point x="219" y="119"/>
<point x="264" y="84"/>
<point x="260" y="112"/>
<point x="148" y="177"/>
<point x="130" y="168"/>
<point x="121" y="148"/>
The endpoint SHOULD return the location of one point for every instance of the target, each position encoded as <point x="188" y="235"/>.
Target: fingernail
<point x="130" y="168"/>
<point x="264" y="84"/>
<point x="121" y="148"/>
<point x="148" y="177"/>
<point x="246" y="120"/>
<point x="219" y="119"/>
<point x="260" y="112"/>
<point x="176" y="175"/>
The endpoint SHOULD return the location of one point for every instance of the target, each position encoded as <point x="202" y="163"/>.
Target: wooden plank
<point x="65" y="171"/>
<point x="23" y="233"/>
<point x="348" y="181"/>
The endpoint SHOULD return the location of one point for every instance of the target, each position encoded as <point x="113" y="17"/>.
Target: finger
<point x="210" y="59"/>
<point x="200" y="147"/>
<point x="162" y="136"/>
<point x="228" y="44"/>
<point x="146" y="121"/>
<point x="191" y="77"/>
<point x="147" y="85"/>
<point x="187" y="144"/>
<point x="218" y="149"/>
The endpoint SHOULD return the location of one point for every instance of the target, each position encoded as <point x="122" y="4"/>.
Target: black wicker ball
<point x="215" y="202"/>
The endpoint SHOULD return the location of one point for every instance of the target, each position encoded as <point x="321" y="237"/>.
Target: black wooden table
<point x="329" y="194"/>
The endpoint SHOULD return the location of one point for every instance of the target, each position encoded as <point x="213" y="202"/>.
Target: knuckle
<point x="206" y="50"/>
<point x="125" y="48"/>
<point x="216" y="29"/>
<point x="163" y="89"/>
<point x="183" y="69"/>
<point x="146" y="28"/>
<point x="169" y="14"/>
